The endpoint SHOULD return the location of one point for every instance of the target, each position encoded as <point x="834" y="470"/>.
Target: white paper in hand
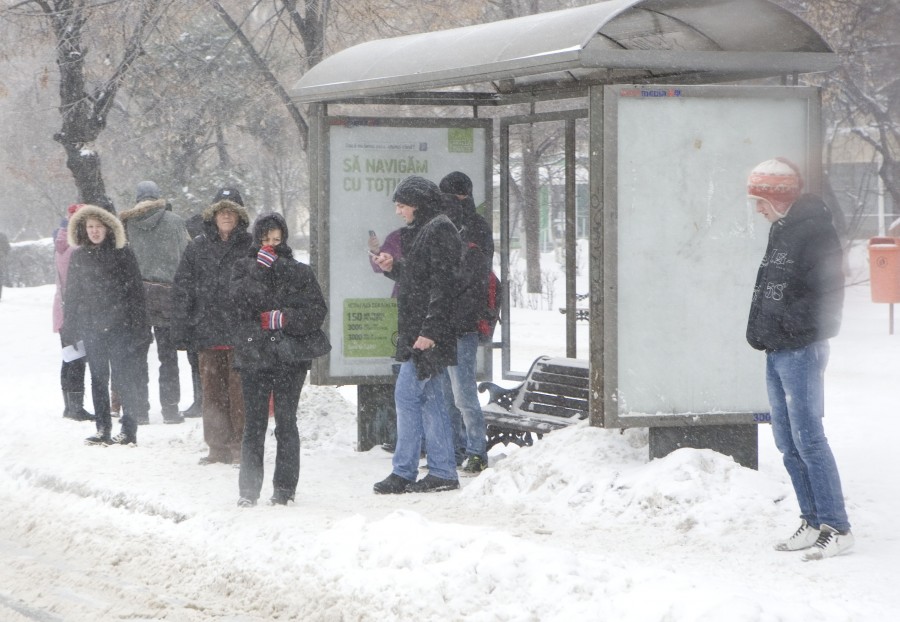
<point x="73" y="353"/>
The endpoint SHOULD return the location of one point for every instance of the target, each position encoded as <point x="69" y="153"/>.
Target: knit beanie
<point x="229" y="193"/>
<point x="777" y="181"/>
<point x="74" y="208"/>
<point x="457" y="183"/>
<point x="146" y="191"/>
<point x="418" y="192"/>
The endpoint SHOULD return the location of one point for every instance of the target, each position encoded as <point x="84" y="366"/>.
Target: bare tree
<point x="862" y="97"/>
<point x="84" y="108"/>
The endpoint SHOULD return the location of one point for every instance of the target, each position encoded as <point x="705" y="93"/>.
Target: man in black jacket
<point x="203" y="320"/>
<point x="426" y="344"/>
<point x="796" y="308"/>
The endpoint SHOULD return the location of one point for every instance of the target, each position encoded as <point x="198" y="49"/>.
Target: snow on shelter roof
<point x="617" y="41"/>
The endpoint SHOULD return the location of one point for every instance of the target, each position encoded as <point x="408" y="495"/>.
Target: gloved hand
<point x="266" y="256"/>
<point x="426" y="366"/>
<point x="272" y="320"/>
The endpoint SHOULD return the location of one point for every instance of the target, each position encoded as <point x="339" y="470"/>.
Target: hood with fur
<point x="77" y="232"/>
<point x="143" y="210"/>
<point x="209" y="214"/>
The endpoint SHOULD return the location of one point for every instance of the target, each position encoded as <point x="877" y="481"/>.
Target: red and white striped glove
<point x="272" y="320"/>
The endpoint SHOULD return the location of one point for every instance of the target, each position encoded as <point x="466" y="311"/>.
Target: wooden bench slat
<point x="564" y="380"/>
<point x="554" y="395"/>
<point x="553" y="388"/>
<point x="556" y="411"/>
<point x="543" y="397"/>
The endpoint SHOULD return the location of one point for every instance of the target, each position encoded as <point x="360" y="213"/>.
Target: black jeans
<point x="286" y="384"/>
<point x="169" y="386"/>
<point x="129" y="359"/>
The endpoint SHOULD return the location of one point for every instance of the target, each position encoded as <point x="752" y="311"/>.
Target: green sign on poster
<point x="370" y="327"/>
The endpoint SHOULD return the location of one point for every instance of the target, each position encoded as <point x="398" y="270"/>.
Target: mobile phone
<point x="374" y="244"/>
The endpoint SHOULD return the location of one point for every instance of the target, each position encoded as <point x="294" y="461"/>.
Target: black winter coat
<point x="290" y="287"/>
<point x="426" y="275"/>
<point x="799" y="292"/>
<point x="203" y="316"/>
<point x="475" y="270"/>
<point x="104" y="290"/>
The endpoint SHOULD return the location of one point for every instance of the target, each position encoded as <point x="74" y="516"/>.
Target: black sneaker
<point x="392" y="485"/>
<point x="98" y="439"/>
<point x="430" y="483"/>
<point x="124" y="439"/>
<point x="475" y="464"/>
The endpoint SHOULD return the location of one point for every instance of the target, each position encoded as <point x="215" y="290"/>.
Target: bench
<point x="553" y="395"/>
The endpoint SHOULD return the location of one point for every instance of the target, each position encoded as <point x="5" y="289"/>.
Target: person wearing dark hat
<point x="203" y="321"/>
<point x="796" y="308"/>
<point x="195" y="227"/>
<point x="465" y="408"/>
<point x="158" y="238"/>
<point x="280" y="311"/>
<point x="104" y="308"/>
<point x="426" y="343"/>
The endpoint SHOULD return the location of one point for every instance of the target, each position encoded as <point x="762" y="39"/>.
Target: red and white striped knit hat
<point x="778" y="181"/>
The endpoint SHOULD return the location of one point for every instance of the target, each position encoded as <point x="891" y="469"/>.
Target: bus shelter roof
<point x="544" y="55"/>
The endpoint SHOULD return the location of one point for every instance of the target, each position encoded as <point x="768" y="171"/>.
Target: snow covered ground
<point x="579" y="527"/>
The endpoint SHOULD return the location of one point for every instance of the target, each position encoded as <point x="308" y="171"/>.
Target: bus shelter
<point x="657" y="110"/>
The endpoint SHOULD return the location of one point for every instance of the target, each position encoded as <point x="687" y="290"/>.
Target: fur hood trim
<point x="209" y="214"/>
<point x="143" y="208"/>
<point x="77" y="233"/>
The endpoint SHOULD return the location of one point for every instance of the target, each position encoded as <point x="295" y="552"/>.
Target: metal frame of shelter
<point x="567" y="54"/>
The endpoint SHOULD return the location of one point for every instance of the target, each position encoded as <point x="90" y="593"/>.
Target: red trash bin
<point x="884" y="269"/>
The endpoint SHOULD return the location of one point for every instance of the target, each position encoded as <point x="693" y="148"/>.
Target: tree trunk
<point x="84" y="114"/>
<point x="531" y="213"/>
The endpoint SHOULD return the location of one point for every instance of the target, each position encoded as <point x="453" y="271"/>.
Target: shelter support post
<point x="376" y="416"/>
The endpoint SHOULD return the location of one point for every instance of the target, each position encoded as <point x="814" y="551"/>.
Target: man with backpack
<point x="471" y="303"/>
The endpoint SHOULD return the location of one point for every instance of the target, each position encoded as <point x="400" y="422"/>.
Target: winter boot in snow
<point x="195" y="409"/>
<point x="75" y="407"/>
<point x="171" y="415"/>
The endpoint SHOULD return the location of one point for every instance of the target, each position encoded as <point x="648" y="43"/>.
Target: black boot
<point x="171" y="415"/>
<point x="195" y="409"/>
<point x="75" y="407"/>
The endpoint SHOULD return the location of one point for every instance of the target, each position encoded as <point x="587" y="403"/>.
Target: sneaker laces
<point x="824" y="538"/>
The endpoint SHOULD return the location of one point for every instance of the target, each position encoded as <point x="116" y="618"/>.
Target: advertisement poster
<point x="367" y="159"/>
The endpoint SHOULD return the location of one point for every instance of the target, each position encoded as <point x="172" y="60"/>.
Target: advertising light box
<point x="366" y="160"/>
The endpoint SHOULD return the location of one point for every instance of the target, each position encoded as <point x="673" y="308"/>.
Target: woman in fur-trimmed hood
<point x="203" y="320"/>
<point x="104" y="308"/>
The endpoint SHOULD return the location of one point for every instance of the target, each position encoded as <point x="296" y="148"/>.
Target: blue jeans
<point x="796" y="387"/>
<point x="422" y="410"/>
<point x="466" y="415"/>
